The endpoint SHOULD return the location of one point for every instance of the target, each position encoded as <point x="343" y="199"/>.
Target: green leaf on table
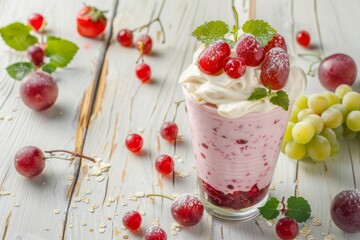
<point x="52" y="38"/>
<point x="257" y="94"/>
<point x="270" y="209"/>
<point x="60" y="51"/>
<point x="19" y="70"/>
<point x="281" y="99"/>
<point x="49" y="67"/>
<point x="262" y="30"/>
<point x="298" y="208"/>
<point x="210" y="32"/>
<point x="17" y="36"/>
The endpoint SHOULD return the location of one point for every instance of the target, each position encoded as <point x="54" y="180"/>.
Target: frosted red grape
<point x="132" y="220"/>
<point x="187" y="210"/>
<point x="37" y="22"/>
<point x="145" y="42"/>
<point x="251" y="50"/>
<point x="38" y="90"/>
<point x="29" y="161"/>
<point x="155" y="233"/>
<point x="169" y="131"/>
<point x="303" y="38"/>
<point x="287" y="228"/>
<point x="36" y="55"/>
<point x="143" y="72"/>
<point x="125" y="37"/>
<point x="337" y="69"/>
<point x="276" y="41"/>
<point x="134" y="142"/>
<point x="275" y="69"/>
<point x="164" y="164"/>
<point x="234" y="67"/>
<point x="345" y="210"/>
<point x="211" y="59"/>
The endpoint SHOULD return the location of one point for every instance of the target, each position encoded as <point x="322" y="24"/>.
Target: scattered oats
<point x="133" y="198"/>
<point x="46" y="229"/>
<point x="14" y="110"/>
<point x="43" y="183"/>
<point x="107" y="203"/>
<point x="87" y="178"/>
<point x="77" y="199"/>
<point x="90" y="209"/>
<point x="272" y="187"/>
<point x="316" y="222"/>
<point x="123" y="227"/>
<point x="102" y="225"/>
<point x="196" y="192"/>
<point x="125" y="236"/>
<point x="193" y="166"/>
<point x="141" y="212"/>
<point x="175" y="195"/>
<point x="111" y="199"/>
<point x="329" y="237"/>
<point x="70" y="225"/>
<point x="85" y="199"/>
<point x="88" y="192"/>
<point x="176" y="157"/>
<point x="305" y="231"/>
<point x="70" y="177"/>
<point x="91" y="229"/>
<point x="4" y="193"/>
<point x="100" y="178"/>
<point x="141" y="129"/>
<point x="174" y="233"/>
<point x="124" y="203"/>
<point x="155" y="222"/>
<point x="61" y="113"/>
<point x="140" y="194"/>
<point x="13" y="195"/>
<point x="56" y="211"/>
<point x="18" y="96"/>
<point x="310" y="237"/>
<point x="115" y="214"/>
<point x="179" y="159"/>
<point x="2" y="117"/>
<point x="109" y="218"/>
<point x="15" y="204"/>
<point x="94" y="206"/>
<point x="83" y="224"/>
<point x="280" y="181"/>
<point x="9" y="117"/>
<point x="182" y="174"/>
<point x="270" y="223"/>
<point x="73" y="205"/>
<point x="99" y="167"/>
<point x="101" y="230"/>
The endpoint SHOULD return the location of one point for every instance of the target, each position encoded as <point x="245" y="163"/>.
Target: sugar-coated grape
<point x="301" y="102"/>
<point x="351" y="101"/>
<point x="132" y="220"/>
<point x="288" y="132"/>
<point x="276" y="41"/>
<point x="295" y="150"/>
<point x="341" y="90"/>
<point x="347" y="133"/>
<point x="303" y="132"/>
<point x="287" y="228"/>
<point x="337" y="69"/>
<point x="251" y="50"/>
<point x="36" y="55"/>
<point x="338" y="131"/>
<point x="212" y="59"/>
<point x="318" y="103"/>
<point x="319" y="148"/>
<point x="125" y="37"/>
<point x="344" y="111"/>
<point x="294" y="114"/>
<point x="332" y="118"/>
<point x="155" y="233"/>
<point x="345" y="210"/>
<point x="331" y="97"/>
<point x="316" y="121"/>
<point x="303" y="113"/>
<point x="29" y="161"/>
<point x="331" y="137"/>
<point x="353" y="121"/>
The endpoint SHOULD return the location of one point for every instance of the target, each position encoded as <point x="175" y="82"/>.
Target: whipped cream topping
<point x="230" y="95"/>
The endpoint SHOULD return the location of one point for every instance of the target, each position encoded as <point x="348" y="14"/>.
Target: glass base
<point x="228" y="214"/>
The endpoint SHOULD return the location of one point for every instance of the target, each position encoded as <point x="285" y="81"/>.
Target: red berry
<point x="145" y="42"/>
<point x="251" y="50"/>
<point x="276" y="41"/>
<point x="29" y="161"/>
<point x="36" y="55"/>
<point x="211" y="59"/>
<point x="164" y="164"/>
<point x="287" y="228"/>
<point x="275" y="69"/>
<point x="143" y="72"/>
<point x="91" y="21"/>
<point x="134" y="142"/>
<point x="155" y="233"/>
<point x="169" y="131"/>
<point x="132" y="220"/>
<point x="37" y="22"/>
<point x="303" y="38"/>
<point x="234" y="67"/>
<point x="187" y="210"/>
<point x="125" y="37"/>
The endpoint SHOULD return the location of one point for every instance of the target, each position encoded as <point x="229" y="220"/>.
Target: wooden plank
<point x="34" y="218"/>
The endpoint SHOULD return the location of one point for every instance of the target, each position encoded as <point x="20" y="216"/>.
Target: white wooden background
<point x="101" y="101"/>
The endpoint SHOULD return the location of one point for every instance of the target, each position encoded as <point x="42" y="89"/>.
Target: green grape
<point x="332" y="118"/>
<point x="303" y="132"/>
<point x="288" y="132"/>
<point x="295" y="150"/>
<point x="316" y="121"/>
<point x="301" y="102"/>
<point x="339" y="131"/>
<point x="332" y="98"/>
<point x="342" y="89"/>
<point x="348" y="134"/>
<point x="319" y="148"/>
<point x="303" y="113"/>
<point x="331" y="137"/>
<point x="293" y="114"/>
<point x="342" y="109"/>
<point x="318" y="103"/>
<point x="353" y="121"/>
<point x="351" y="100"/>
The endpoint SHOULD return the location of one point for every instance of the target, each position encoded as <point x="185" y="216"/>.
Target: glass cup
<point x="235" y="158"/>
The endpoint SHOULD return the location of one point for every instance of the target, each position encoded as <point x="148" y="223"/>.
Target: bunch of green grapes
<point x="318" y="121"/>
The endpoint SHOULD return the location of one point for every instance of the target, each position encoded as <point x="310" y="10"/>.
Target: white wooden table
<point x="101" y="101"/>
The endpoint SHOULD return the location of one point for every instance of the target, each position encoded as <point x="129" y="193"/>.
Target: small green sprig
<point x="279" y="98"/>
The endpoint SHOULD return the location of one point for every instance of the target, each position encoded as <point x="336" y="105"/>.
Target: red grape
<point x="234" y="67"/>
<point x="36" y="55"/>
<point x="143" y="72"/>
<point x="145" y="42"/>
<point x="337" y="69"/>
<point x="38" y="90"/>
<point x="169" y="131"/>
<point x="164" y="164"/>
<point x="29" y="161"/>
<point x="287" y="228"/>
<point x="125" y="37"/>
<point x="276" y="41"/>
<point x="134" y="142"/>
<point x="251" y="50"/>
<point x="211" y="59"/>
<point x="132" y="220"/>
<point x="303" y="38"/>
<point x="155" y="233"/>
<point x="37" y="22"/>
<point x="187" y="210"/>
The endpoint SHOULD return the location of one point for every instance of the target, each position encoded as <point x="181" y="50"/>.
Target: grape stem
<point x="310" y="71"/>
<point x="74" y="154"/>
<point x="157" y="19"/>
<point x="159" y="195"/>
<point x="311" y="54"/>
<point x="283" y="210"/>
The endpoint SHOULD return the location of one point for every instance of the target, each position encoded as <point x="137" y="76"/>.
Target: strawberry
<point x="91" y="22"/>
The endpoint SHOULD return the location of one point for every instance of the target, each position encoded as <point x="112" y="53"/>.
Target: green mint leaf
<point x="257" y="94"/>
<point x="17" y="36"/>
<point x="60" y="51"/>
<point x="49" y="67"/>
<point x="281" y="99"/>
<point x="262" y="30"/>
<point x="270" y="209"/>
<point x="210" y="32"/>
<point x="298" y="208"/>
<point x="19" y="70"/>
